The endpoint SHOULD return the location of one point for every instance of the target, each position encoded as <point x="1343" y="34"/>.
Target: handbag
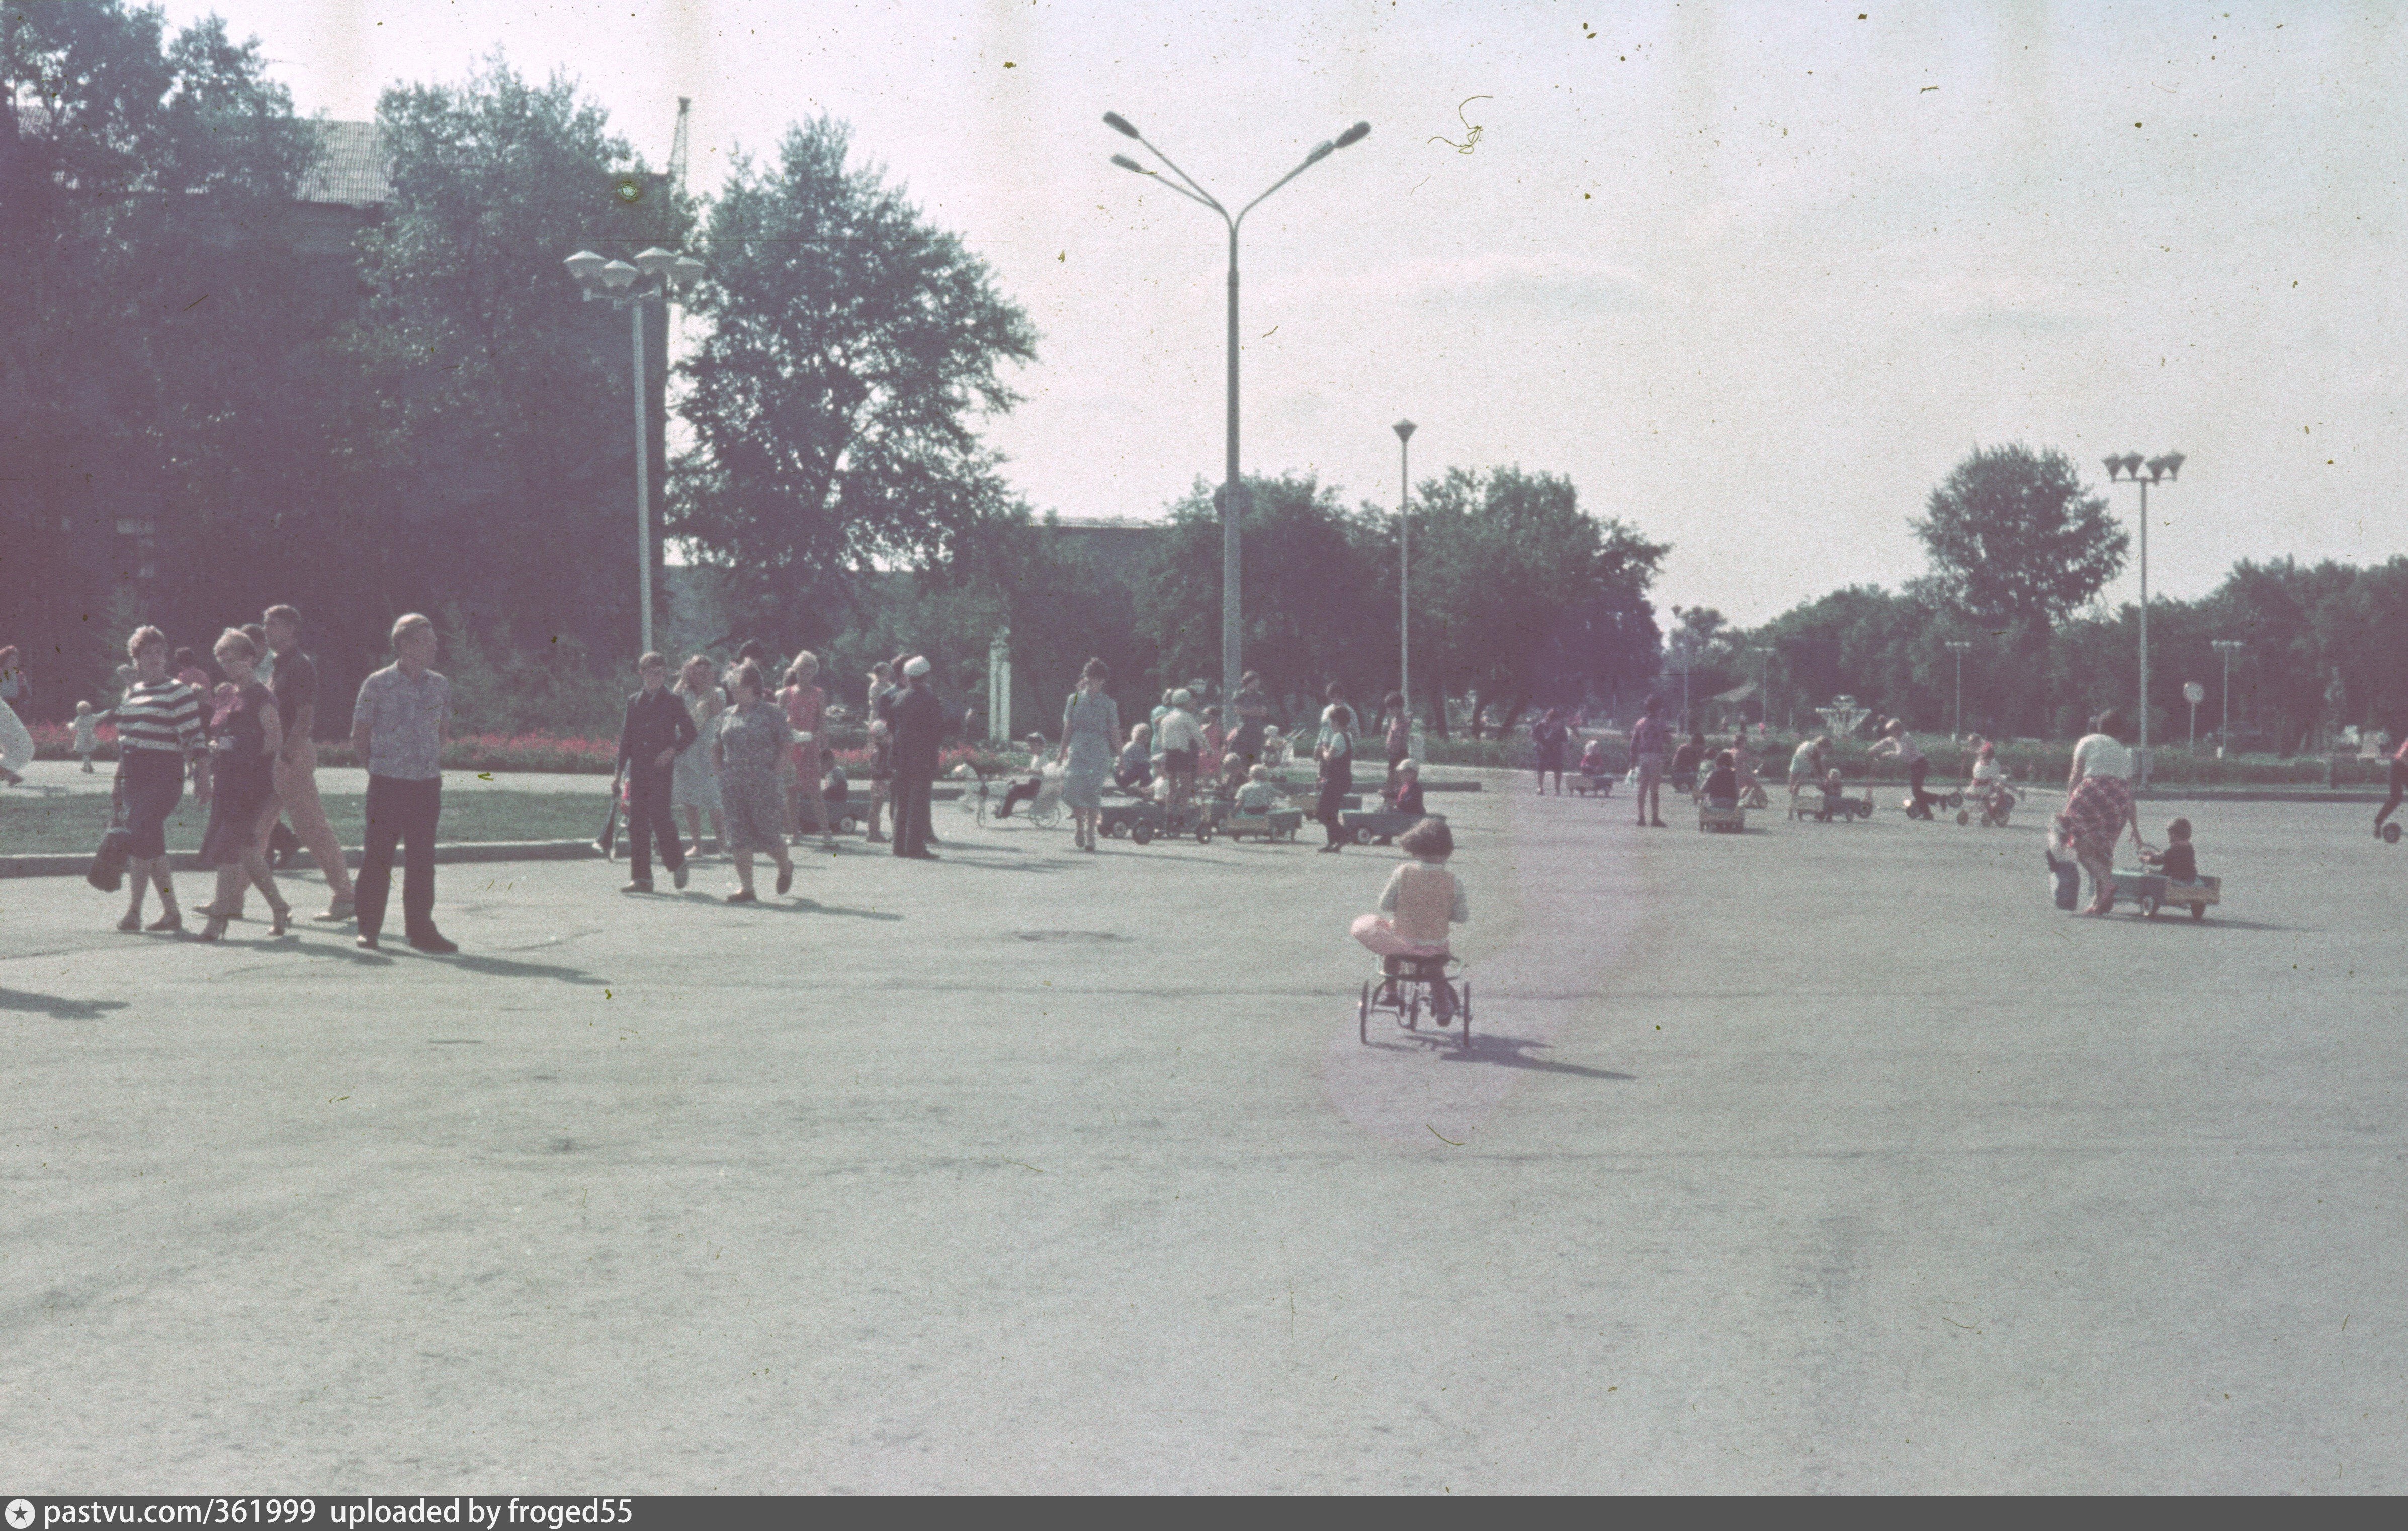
<point x="108" y="869"/>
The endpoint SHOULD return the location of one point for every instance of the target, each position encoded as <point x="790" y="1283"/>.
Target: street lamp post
<point x="2228" y="647"/>
<point x="1404" y="429"/>
<point x="1232" y="492"/>
<point x="1763" y="652"/>
<point x="656" y="274"/>
<point x="2131" y="466"/>
<point x="1958" y="646"/>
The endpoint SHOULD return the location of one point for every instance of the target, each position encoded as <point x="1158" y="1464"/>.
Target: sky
<point x="1754" y="277"/>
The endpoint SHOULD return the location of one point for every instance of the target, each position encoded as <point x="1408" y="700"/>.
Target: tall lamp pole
<point x="2228" y="647"/>
<point x="1958" y="646"/>
<point x="1763" y="652"/>
<point x="655" y="275"/>
<point x="1232" y="492"/>
<point x="1404" y="429"/>
<point x="2131" y="467"/>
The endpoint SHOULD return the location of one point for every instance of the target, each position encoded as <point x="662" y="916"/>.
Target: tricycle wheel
<point x="1204" y="833"/>
<point x="1963" y="817"/>
<point x="1363" y="1016"/>
<point x="1142" y="831"/>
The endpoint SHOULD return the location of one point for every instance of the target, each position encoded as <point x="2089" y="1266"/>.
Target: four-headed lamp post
<point x="1957" y="647"/>
<point x="2228" y="647"/>
<point x="1232" y="492"/>
<point x="1763" y="652"/>
<point x="655" y="275"/>
<point x="1404" y="429"/>
<point x="2132" y="467"/>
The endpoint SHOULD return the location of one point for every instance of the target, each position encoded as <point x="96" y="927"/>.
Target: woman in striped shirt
<point x="159" y="727"/>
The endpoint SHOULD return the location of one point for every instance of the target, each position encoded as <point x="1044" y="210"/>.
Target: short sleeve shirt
<point x="295" y="685"/>
<point x="404" y="718"/>
<point x="2103" y="754"/>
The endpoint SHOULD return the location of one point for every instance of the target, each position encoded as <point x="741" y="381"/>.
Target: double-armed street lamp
<point x="655" y="275"/>
<point x="1958" y="646"/>
<point x="2228" y="647"/>
<point x="1232" y="492"/>
<point x="2131" y="467"/>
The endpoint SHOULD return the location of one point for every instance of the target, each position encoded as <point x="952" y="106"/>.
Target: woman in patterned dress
<point x="2098" y="806"/>
<point x="750" y="747"/>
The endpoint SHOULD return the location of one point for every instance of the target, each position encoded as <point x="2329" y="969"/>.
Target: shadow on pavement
<point x="1516" y="1052"/>
<point x="806" y="906"/>
<point x="57" y="1006"/>
<point x="504" y="968"/>
<point x="344" y="952"/>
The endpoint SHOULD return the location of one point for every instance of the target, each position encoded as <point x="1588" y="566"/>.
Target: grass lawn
<point x="73" y="825"/>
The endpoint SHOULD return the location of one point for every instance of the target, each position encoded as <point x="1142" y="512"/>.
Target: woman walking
<point x="2098" y="806"/>
<point x="750" y="747"/>
<point x="806" y="705"/>
<point x="161" y="724"/>
<point x="694" y="785"/>
<point x="1335" y="751"/>
<point x="245" y="735"/>
<point x="1549" y="735"/>
<point x="16" y="739"/>
<point x="1091" y="727"/>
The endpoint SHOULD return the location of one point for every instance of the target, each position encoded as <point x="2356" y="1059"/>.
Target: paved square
<point x="1830" y="1157"/>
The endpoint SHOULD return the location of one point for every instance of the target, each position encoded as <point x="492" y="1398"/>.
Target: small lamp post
<point x="1957" y="647"/>
<point x="1404" y="429"/>
<point x="2228" y="647"/>
<point x="655" y="276"/>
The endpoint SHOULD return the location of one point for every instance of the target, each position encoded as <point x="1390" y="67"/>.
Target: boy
<point x="1182" y="737"/>
<point x="1722" y="782"/>
<point x="1259" y="796"/>
<point x="1408" y="796"/>
<point x="1425" y="900"/>
<point x="1834" y="791"/>
<point x="655" y="729"/>
<point x="87" y="734"/>
<point x="2178" y="861"/>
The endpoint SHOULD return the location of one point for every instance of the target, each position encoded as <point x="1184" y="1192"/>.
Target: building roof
<point x="351" y="168"/>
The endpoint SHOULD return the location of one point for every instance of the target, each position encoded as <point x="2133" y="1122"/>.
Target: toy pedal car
<point x="2153" y="891"/>
<point x="1380" y="826"/>
<point x="1824" y="811"/>
<point x="1585" y="786"/>
<point x="1277" y="824"/>
<point x="1407" y="986"/>
<point x="1722" y="821"/>
<point x="1136" y="820"/>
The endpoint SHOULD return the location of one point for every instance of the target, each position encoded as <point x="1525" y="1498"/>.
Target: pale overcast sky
<point x="1754" y="275"/>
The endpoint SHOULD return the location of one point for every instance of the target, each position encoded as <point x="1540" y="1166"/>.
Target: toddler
<point x="2178" y="861"/>
<point x="1421" y="902"/>
<point x="834" y="788"/>
<point x="1722" y="782"/>
<point x="1833" y="790"/>
<point x="87" y="734"/>
<point x="1259" y="795"/>
<point x="1407" y="798"/>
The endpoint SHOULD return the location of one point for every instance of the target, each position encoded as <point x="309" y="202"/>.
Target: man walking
<point x="658" y="729"/>
<point x="296" y="764"/>
<point x="397" y="728"/>
<point x="917" y="721"/>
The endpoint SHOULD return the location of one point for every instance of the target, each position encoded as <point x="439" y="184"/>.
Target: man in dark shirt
<point x="656" y="729"/>
<point x="296" y="764"/>
<point x="918" y="723"/>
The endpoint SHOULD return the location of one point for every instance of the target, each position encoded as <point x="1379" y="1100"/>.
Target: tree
<point x="2014" y="537"/>
<point x="852" y="348"/>
<point x="489" y="420"/>
<point x="155" y="333"/>
<point x="1309" y="585"/>
<point x="1521" y="596"/>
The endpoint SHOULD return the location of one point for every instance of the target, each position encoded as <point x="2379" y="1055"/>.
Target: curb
<point x="190" y="861"/>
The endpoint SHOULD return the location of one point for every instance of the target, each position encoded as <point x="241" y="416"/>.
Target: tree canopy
<point x="852" y="348"/>
<point x="2015" y="536"/>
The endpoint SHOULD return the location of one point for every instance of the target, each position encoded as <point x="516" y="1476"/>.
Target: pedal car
<point x="1279" y="823"/>
<point x="1584" y="785"/>
<point x="1810" y="803"/>
<point x="1131" y="818"/>
<point x="1380" y="826"/>
<point x="1408" y="987"/>
<point x="2153" y="891"/>
<point x="1722" y="821"/>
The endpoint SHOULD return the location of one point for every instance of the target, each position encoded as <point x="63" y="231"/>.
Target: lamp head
<point x="1354" y="135"/>
<point x="2174" y="461"/>
<point x="585" y="266"/>
<point x="1119" y="124"/>
<point x="2132" y="461"/>
<point x="1130" y="164"/>
<point x="686" y="272"/>
<point x="618" y="275"/>
<point x="1404" y="429"/>
<point x="656" y="262"/>
<point x="2114" y="466"/>
<point x="1321" y="151"/>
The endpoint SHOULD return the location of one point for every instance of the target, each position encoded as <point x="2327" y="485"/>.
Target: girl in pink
<point x="1422" y="900"/>
<point x="805" y="706"/>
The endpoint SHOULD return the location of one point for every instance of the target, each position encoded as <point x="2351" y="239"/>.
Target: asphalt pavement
<point x="1826" y="1157"/>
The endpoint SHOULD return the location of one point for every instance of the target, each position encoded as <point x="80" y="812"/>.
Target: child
<point x="1423" y="899"/>
<point x="1722" y="782"/>
<point x="1592" y="760"/>
<point x="1834" y="791"/>
<point x="87" y="734"/>
<point x="834" y="788"/>
<point x="1136" y="768"/>
<point x="1233" y="779"/>
<point x="881" y="773"/>
<point x="1026" y="791"/>
<point x="1259" y="795"/>
<point x="1407" y="798"/>
<point x="2178" y="861"/>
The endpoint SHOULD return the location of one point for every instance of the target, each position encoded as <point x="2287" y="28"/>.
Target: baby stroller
<point x="1405" y="987"/>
